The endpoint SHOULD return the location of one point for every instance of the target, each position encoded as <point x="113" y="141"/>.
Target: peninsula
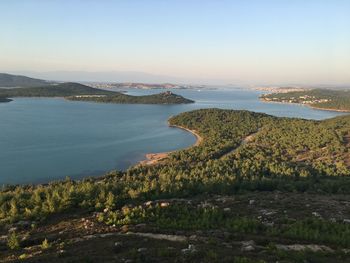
<point x="80" y="92"/>
<point x="256" y="187"/>
<point x="323" y="99"/>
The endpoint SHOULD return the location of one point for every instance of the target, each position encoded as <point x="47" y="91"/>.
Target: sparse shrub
<point x="13" y="242"/>
<point x="45" y="244"/>
<point x="23" y="256"/>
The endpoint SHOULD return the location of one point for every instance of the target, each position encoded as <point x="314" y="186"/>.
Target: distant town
<point x="273" y="89"/>
<point x="145" y="86"/>
<point x="305" y="99"/>
<point x="327" y="99"/>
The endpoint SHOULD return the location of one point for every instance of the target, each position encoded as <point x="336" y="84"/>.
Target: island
<point x="256" y="188"/>
<point x="161" y="98"/>
<point x="323" y="99"/>
<point x="80" y="92"/>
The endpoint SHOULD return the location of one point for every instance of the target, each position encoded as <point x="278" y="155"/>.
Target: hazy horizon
<point x="206" y="42"/>
<point x="143" y="77"/>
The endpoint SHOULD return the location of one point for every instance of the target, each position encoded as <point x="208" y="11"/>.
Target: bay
<point x="44" y="139"/>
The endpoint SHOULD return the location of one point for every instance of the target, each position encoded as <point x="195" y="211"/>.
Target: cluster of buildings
<point x="305" y="99"/>
<point x="272" y="89"/>
<point x="89" y="96"/>
<point x="127" y="85"/>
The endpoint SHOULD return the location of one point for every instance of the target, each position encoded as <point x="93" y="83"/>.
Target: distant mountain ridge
<point x="9" y="80"/>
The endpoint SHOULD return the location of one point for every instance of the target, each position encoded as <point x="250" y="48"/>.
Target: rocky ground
<point x="80" y="237"/>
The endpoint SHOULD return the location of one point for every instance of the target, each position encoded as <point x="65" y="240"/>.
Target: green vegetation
<point x="8" y="80"/>
<point x="284" y="154"/>
<point x="59" y="90"/>
<point x="79" y="92"/>
<point x="161" y="98"/>
<point x="13" y="242"/>
<point x="318" y="98"/>
<point x="188" y="217"/>
<point x="241" y="152"/>
<point x="45" y="244"/>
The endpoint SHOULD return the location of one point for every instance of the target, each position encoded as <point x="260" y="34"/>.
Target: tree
<point x="110" y="201"/>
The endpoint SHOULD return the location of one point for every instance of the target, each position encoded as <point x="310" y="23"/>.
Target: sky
<point x="253" y="42"/>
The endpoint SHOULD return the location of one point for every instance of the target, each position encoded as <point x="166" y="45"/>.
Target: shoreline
<point x="328" y="109"/>
<point x="155" y="158"/>
<point x="306" y="105"/>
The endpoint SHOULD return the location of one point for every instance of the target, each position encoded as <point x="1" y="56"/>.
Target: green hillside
<point x="58" y="90"/>
<point x="8" y="80"/>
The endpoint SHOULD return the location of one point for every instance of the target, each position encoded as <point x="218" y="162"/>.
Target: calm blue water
<point x="48" y="139"/>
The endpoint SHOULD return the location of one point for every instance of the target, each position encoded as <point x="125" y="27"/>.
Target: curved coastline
<point x="155" y="158"/>
<point x="306" y="105"/>
<point x="328" y="109"/>
<point x="194" y="132"/>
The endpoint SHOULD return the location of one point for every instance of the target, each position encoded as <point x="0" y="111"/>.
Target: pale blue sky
<point x="248" y="41"/>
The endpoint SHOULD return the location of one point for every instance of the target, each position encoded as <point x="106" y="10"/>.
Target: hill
<point x="8" y="80"/>
<point x="327" y="99"/>
<point x="257" y="188"/>
<point x="57" y="90"/>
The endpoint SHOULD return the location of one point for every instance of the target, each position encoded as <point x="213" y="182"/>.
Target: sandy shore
<point x="154" y="158"/>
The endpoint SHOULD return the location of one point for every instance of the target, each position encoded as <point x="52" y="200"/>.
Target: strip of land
<point x="320" y="99"/>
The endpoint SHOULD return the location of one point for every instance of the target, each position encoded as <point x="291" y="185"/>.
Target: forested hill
<point x="338" y="100"/>
<point x="58" y="90"/>
<point x="8" y="80"/>
<point x="161" y="98"/>
<point x="257" y="188"/>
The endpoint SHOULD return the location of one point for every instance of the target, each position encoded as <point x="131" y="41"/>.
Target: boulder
<point x="248" y="246"/>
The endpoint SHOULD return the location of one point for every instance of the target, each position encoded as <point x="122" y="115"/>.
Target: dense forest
<point x="241" y="153"/>
<point x="80" y="92"/>
<point x="317" y="98"/>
